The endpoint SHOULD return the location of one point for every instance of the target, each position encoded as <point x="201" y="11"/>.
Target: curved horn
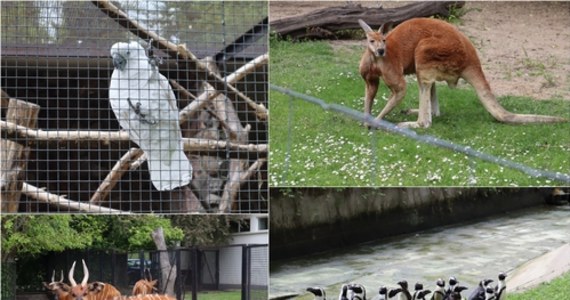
<point x="53" y="276"/>
<point x="86" y="272"/>
<point x="70" y="275"/>
<point x="61" y="280"/>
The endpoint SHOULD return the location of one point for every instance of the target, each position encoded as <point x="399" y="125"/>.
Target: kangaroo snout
<point x="380" y="52"/>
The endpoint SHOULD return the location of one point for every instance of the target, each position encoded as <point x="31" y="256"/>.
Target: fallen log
<point x="324" y="23"/>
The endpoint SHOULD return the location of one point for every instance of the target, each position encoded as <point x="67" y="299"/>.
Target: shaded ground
<point x="523" y="46"/>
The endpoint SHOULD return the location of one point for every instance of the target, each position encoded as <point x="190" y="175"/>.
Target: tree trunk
<point x="323" y="23"/>
<point x="167" y="270"/>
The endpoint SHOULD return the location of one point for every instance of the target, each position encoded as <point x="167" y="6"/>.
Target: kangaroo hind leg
<point x="425" y="110"/>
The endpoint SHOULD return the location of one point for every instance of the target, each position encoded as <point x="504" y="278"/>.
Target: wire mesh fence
<point x="134" y="106"/>
<point x="226" y="272"/>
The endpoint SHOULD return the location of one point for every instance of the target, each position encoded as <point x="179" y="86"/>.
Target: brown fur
<point x="89" y="291"/>
<point x="435" y="51"/>
<point x="144" y="287"/>
<point x="144" y="297"/>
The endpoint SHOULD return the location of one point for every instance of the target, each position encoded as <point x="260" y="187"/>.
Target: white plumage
<point x="145" y="106"/>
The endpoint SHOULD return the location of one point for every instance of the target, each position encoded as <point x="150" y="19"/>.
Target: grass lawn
<point x="557" y="289"/>
<point x="216" y="295"/>
<point x="328" y="149"/>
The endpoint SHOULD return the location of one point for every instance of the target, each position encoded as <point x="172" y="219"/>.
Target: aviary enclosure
<point x="63" y="149"/>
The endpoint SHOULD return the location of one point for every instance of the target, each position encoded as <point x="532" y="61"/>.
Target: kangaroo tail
<point x="477" y="79"/>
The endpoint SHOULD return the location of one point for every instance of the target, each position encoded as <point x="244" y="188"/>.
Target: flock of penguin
<point x="484" y="291"/>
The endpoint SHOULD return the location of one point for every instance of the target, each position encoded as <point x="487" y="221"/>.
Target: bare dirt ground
<point x="524" y="47"/>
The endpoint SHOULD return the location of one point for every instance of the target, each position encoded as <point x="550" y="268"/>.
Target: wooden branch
<point x="178" y="52"/>
<point x="27" y="136"/>
<point x="203" y="99"/>
<point x="61" y="202"/>
<point x="324" y="22"/>
<point x="14" y="156"/>
<point x="234" y="185"/>
<point x="119" y="169"/>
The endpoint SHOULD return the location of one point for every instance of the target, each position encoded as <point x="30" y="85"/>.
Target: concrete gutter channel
<point x="316" y="220"/>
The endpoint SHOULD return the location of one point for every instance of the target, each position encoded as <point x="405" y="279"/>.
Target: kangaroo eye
<point x="371" y="41"/>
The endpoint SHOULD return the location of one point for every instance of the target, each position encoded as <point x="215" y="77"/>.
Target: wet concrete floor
<point x="470" y="251"/>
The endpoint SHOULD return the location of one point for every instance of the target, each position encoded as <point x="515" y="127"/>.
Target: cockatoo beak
<point x="119" y="61"/>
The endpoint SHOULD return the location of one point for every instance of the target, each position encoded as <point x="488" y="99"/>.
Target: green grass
<point x="328" y="149"/>
<point x="557" y="289"/>
<point x="216" y="295"/>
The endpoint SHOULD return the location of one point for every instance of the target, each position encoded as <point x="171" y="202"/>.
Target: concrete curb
<point x="539" y="270"/>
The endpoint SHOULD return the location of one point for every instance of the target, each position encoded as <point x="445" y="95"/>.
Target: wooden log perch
<point x="226" y="204"/>
<point x="27" y="136"/>
<point x="62" y="203"/>
<point x="178" y="52"/>
<point x="14" y="156"/>
<point x="323" y="23"/>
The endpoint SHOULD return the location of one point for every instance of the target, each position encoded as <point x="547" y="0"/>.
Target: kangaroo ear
<point x="386" y="27"/>
<point x="364" y="26"/>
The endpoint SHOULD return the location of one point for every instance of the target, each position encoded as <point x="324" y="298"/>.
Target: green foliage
<point x="327" y="149"/>
<point x="204" y="230"/>
<point x="34" y="235"/>
<point x="557" y="289"/>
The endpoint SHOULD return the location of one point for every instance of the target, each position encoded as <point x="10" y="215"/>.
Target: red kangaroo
<point x="92" y="291"/>
<point x="435" y="51"/>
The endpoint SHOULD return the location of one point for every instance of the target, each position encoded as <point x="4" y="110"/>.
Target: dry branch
<point x="61" y="202"/>
<point x="27" y="136"/>
<point x="173" y="50"/>
<point x="323" y="23"/>
<point x="202" y="100"/>
<point x="119" y="169"/>
<point x="225" y="206"/>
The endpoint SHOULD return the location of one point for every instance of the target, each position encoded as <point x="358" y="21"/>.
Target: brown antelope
<point x="58" y="288"/>
<point x="92" y="291"/>
<point x="435" y="51"/>
<point x="144" y="297"/>
<point x="145" y="286"/>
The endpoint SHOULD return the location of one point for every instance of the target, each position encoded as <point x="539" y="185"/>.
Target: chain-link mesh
<point x="134" y="106"/>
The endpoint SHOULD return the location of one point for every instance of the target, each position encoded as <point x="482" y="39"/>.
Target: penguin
<point x="358" y="292"/>
<point x="402" y="292"/>
<point x="419" y="292"/>
<point x="456" y="293"/>
<point x="452" y="284"/>
<point x="490" y="293"/>
<point x="501" y="288"/>
<point x="439" y="292"/>
<point x="319" y="292"/>
<point x="479" y="292"/>
<point x="343" y="292"/>
<point x="382" y="294"/>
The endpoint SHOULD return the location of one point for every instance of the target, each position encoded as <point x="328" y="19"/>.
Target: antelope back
<point x="145" y="297"/>
<point x="144" y="287"/>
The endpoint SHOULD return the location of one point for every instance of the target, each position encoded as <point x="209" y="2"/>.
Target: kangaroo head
<point x="375" y="40"/>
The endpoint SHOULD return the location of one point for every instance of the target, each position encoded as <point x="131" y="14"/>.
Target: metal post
<point x="194" y="271"/>
<point x="244" y="273"/>
<point x="179" y="282"/>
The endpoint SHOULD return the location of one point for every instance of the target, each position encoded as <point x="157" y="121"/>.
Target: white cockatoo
<point x="145" y="106"/>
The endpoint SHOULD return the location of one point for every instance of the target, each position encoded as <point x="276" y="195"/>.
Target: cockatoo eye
<point x="128" y="52"/>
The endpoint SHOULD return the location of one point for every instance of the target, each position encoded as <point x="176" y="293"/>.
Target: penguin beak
<point x="119" y="62"/>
